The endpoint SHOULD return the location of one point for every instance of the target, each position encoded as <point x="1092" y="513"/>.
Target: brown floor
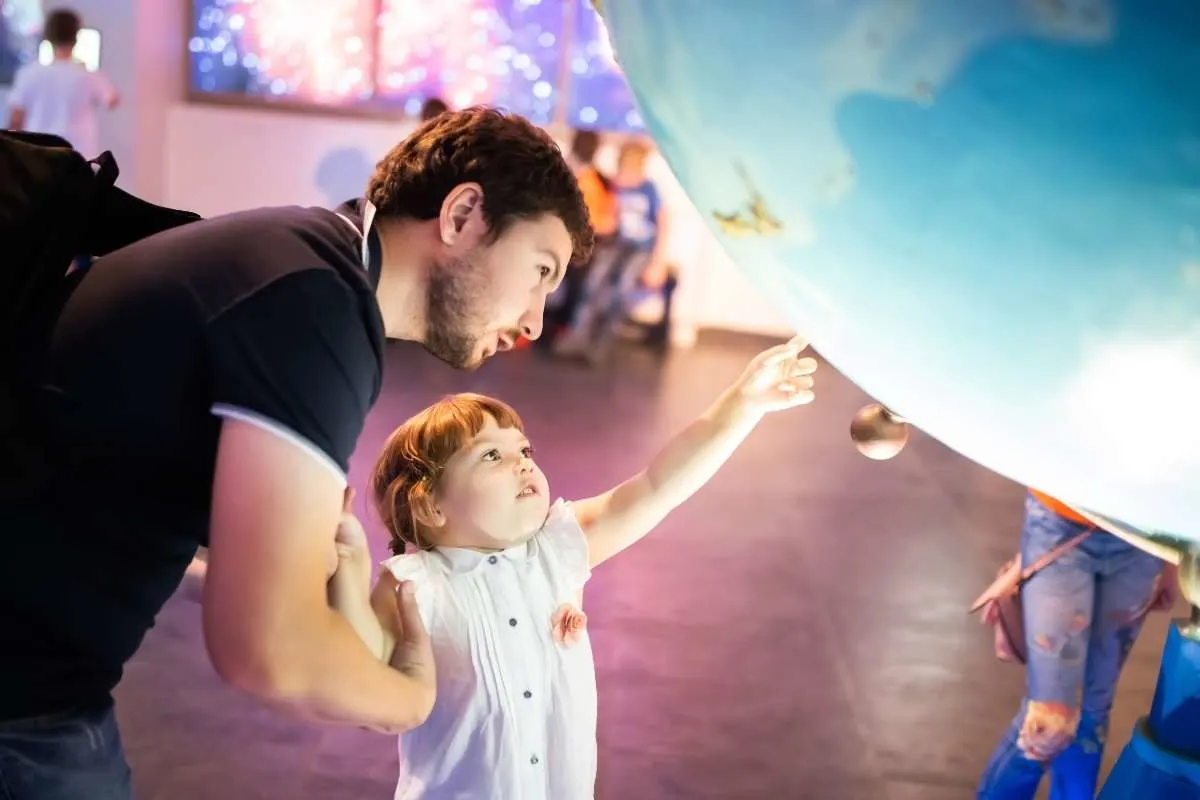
<point x="797" y="630"/>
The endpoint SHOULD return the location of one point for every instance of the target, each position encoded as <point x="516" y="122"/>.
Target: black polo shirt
<point x="266" y="315"/>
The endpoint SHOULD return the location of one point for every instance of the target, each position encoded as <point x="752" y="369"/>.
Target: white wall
<point x="161" y="45"/>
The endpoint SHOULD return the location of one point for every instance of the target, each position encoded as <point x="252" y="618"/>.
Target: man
<point x="61" y="97"/>
<point x="207" y="385"/>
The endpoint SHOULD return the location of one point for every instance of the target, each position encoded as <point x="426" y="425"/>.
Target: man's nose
<point x="531" y="321"/>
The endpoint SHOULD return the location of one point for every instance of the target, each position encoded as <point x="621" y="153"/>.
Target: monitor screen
<point x="87" y="49"/>
<point x="526" y="56"/>
<point x="598" y="96"/>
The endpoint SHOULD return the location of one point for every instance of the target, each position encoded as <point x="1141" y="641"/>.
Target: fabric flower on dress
<point x="568" y="624"/>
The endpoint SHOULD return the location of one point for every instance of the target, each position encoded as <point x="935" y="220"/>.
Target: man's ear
<point x="463" y="204"/>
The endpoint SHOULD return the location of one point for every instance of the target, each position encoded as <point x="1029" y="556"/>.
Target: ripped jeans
<point x="1078" y="632"/>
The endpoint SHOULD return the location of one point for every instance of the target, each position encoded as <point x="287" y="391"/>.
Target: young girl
<point x="498" y="574"/>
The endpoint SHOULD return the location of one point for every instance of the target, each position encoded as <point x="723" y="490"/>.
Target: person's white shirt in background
<point x="62" y="98"/>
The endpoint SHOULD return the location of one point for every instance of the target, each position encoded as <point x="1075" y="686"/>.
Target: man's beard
<point x="455" y="299"/>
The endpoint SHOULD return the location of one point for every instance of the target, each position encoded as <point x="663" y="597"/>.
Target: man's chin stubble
<point x="466" y="364"/>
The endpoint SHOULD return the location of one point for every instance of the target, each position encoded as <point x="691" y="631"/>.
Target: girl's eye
<point x="491" y="455"/>
<point x="527" y="452"/>
<point x="545" y="271"/>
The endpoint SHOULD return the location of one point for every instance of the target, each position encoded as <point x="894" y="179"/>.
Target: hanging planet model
<point x="986" y="214"/>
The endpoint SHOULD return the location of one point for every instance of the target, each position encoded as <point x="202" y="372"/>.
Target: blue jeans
<point x="68" y="756"/>
<point x="1080" y="623"/>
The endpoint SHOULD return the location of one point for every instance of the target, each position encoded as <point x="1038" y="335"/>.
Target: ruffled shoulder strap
<point x="564" y="537"/>
<point x="419" y="569"/>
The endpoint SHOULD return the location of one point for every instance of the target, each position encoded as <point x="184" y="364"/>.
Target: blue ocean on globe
<point x="984" y="212"/>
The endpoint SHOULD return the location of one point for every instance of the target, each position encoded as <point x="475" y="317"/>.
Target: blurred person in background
<point x="1083" y="612"/>
<point x="599" y="194"/>
<point x="634" y="257"/>
<point x="62" y="98"/>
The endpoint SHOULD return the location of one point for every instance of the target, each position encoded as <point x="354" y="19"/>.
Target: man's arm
<point x="294" y="367"/>
<point x="267" y="623"/>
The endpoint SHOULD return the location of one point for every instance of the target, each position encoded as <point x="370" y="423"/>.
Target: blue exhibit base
<point x="1162" y="760"/>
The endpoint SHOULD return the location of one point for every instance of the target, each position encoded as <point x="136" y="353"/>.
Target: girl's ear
<point x="425" y="511"/>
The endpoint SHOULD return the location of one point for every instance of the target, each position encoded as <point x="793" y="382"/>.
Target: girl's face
<point x="491" y="494"/>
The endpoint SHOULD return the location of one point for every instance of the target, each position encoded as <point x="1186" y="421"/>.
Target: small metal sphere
<point x="878" y="433"/>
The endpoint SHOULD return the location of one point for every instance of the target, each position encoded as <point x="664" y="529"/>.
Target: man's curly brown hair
<point x="520" y="168"/>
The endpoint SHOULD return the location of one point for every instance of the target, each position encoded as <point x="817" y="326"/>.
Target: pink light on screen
<point x="443" y="48"/>
<point x="319" y="49"/>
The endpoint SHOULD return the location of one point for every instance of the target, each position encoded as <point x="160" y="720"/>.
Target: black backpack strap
<point x="45" y="189"/>
<point x="38" y="139"/>
<point x="118" y="219"/>
<point x="54" y="206"/>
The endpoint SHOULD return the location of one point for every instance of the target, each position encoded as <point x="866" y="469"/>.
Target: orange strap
<point x="1060" y="508"/>
<point x="1052" y="556"/>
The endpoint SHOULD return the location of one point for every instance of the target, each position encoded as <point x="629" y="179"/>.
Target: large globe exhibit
<point x="986" y="213"/>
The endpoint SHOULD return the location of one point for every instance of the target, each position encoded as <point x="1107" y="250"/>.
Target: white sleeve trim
<point x="414" y="567"/>
<point x="226" y="411"/>
<point x="563" y="533"/>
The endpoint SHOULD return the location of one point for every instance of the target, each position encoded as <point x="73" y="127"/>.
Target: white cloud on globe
<point x="1190" y="272"/>
<point x="854" y="61"/>
<point x="1133" y="400"/>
